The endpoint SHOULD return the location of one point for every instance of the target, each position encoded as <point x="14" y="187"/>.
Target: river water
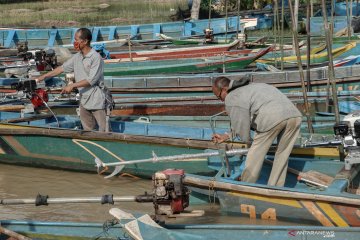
<point x="26" y="182"/>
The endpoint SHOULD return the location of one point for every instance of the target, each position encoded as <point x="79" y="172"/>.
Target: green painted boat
<point x="39" y="142"/>
<point x="193" y="65"/>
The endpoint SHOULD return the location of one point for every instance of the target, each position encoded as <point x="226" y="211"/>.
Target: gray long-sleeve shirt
<point x="259" y="106"/>
<point x="91" y="68"/>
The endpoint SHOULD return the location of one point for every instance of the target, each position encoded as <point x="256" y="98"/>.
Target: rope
<point x="107" y="225"/>
<point x="212" y="191"/>
<point x="77" y="141"/>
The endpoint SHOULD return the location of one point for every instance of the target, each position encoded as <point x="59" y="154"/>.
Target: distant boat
<point x="64" y="36"/>
<point x="319" y="57"/>
<point x="174" y="53"/>
<point x="191" y="65"/>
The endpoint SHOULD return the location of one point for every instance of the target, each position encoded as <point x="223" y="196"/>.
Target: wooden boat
<point x="143" y="227"/>
<point x="209" y="105"/>
<point x="348" y="61"/>
<point x="347" y="78"/>
<point x="160" y="54"/>
<point x="61" y="230"/>
<point x="151" y="230"/>
<point x="39" y="142"/>
<point x="314" y="58"/>
<point x="53" y="37"/>
<point x="225" y="63"/>
<point x="330" y="203"/>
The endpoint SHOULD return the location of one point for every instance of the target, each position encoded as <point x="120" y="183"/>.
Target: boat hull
<point x="77" y="231"/>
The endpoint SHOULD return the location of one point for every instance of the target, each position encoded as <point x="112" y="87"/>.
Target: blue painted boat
<point x="143" y="227"/>
<point x="151" y="230"/>
<point x="349" y="106"/>
<point x="331" y="201"/>
<point x="62" y="230"/>
<point x="63" y="36"/>
<point x="317" y="25"/>
<point x="340" y="8"/>
<point x="169" y="127"/>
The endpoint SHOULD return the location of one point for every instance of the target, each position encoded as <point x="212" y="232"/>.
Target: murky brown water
<point x="24" y="182"/>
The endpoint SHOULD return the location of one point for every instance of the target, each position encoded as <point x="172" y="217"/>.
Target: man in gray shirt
<point x="88" y="68"/>
<point x="270" y="113"/>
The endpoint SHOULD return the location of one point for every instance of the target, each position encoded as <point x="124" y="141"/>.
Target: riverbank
<point x="66" y="13"/>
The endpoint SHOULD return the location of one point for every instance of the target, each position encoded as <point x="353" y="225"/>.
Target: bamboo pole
<point x="296" y="42"/>
<point x="308" y="47"/>
<point x="331" y="70"/>
<point x="332" y="17"/>
<point x="351" y="16"/>
<point x="275" y="31"/>
<point x="209" y="25"/>
<point x="130" y="54"/>
<point x="226" y="21"/>
<point x="238" y="19"/>
<point x="282" y="36"/>
<point x="348" y="19"/>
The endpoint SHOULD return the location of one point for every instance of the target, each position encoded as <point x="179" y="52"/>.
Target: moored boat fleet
<point x="161" y="126"/>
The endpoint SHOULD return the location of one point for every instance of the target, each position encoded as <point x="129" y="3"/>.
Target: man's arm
<point x="70" y="87"/>
<point x="53" y="73"/>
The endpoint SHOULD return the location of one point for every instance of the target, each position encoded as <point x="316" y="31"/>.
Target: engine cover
<point x="39" y="97"/>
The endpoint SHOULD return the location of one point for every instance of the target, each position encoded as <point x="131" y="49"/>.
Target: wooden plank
<point x="217" y="185"/>
<point x="11" y="107"/>
<point x="315" y="211"/>
<point x="13" y="234"/>
<point x="27" y="119"/>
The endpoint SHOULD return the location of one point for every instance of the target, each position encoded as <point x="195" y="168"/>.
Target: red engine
<point x="39" y="97"/>
<point x="170" y="194"/>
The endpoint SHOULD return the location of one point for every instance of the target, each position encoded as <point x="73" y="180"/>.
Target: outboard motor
<point x="348" y="131"/>
<point x="209" y="35"/>
<point x="45" y="60"/>
<point x="170" y="195"/>
<point x="38" y="96"/>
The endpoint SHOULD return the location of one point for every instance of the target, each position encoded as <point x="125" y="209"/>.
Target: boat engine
<point x="170" y="196"/>
<point x="45" y="60"/>
<point x="37" y="96"/>
<point x="348" y="131"/>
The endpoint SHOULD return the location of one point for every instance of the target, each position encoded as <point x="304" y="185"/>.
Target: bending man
<point x="88" y="68"/>
<point x="270" y="113"/>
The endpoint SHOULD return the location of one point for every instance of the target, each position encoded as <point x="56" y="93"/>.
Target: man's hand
<point x="39" y="79"/>
<point x="219" y="138"/>
<point x="67" y="89"/>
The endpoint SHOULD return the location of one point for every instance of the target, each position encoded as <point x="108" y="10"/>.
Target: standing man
<point x="270" y="113"/>
<point x="88" y="68"/>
